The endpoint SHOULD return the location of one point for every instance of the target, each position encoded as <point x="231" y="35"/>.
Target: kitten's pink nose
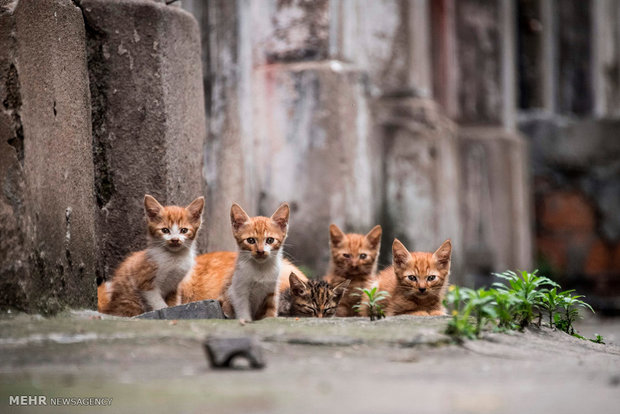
<point x="422" y="290"/>
<point x="175" y="242"/>
<point x="260" y="253"/>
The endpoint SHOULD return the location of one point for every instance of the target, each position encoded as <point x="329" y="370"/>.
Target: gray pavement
<point x="398" y="365"/>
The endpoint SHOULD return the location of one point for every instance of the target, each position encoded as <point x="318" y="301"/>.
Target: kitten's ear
<point x="336" y="236"/>
<point x="374" y="236"/>
<point x="443" y="254"/>
<point x="400" y="254"/>
<point x="340" y="288"/>
<point x="281" y="216"/>
<point x="298" y="287"/>
<point x="152" y="207"/>
<point x="195" y="208"/>
<point x="238" y="217"/>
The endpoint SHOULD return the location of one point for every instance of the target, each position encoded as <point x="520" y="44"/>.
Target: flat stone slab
<point x="204" y="309"/>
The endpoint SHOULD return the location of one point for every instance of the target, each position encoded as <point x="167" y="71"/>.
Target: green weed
<point x="513" y="304"/>
<point x="371" y="301"/>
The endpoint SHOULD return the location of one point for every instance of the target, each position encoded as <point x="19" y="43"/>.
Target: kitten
<point x="212" y="275"/>
<point x="147" y="280"/>
<point x="254" y="287"/>
<point x="354" y="257"/>
<point x="416" y="281"/>
<point x="308" y="298"/>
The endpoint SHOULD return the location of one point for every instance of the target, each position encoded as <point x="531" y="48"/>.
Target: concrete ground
<point x="398" y="365"/>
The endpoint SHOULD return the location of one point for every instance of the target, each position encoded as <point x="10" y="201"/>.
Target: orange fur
<point x="419" y="296"/>
<point x="353" y="257"/>
<point x="213" y="273"/>
<point x="124" y="295"/>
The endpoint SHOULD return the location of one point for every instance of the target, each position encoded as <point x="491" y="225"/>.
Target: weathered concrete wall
<point x="327" y="106"/>
<point x="396" y="47"/>
<point x="479" y="52"/>
<point x="420" y="167"/>
<point x="495" y="202"/>
<point x="226" y="170"/>
<point x="48" y="243"/>
<point x="606" y="70"/>
<point x="477" y="89"/>
<point x="288" y="31"/>
<point x="418" y="170"/>
<point x="313" y="149"/>
<point x="148" y="116"/>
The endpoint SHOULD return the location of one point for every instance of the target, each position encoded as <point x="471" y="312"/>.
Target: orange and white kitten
<point x="213" y="272"/>
<point x="354" y="257"/>
<point x="255" y="285"/>
<point x="146" y="278"/>
<point x="416" y="281"/>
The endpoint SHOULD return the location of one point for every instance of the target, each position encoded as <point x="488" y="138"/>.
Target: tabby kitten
<point x="310" y="298"/>
<point x="146" y="279"/>
<point x="416" y="281"/>
<point x="354" y="257"/>
<point x="254" y="288"/>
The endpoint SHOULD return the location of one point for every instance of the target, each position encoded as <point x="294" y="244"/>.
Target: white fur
<point x="171" y="268"/>
<point x="252" y="282"/>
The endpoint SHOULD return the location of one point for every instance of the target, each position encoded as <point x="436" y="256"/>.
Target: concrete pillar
<point x="420" y="169"/>
<point x="606" y="49"/>
<point x="495" y="202"/>
<point x="48" y="246"/>
<point x="390" y="40"/>
<point x="493" y="179"/>
<point x="574" y="37"/>
<point x="418" y="174"/>
<point x="147" y="115"/>
<point x="313" y="150"/>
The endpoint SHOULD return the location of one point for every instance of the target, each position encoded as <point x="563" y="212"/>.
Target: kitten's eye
<point x="184" y="230"/>
<point x="346" y="255"/>
<point x="412" y="278"/>
<point x="431" y="278"/>
<point x="363" y="256"/>
<point x="165" y="230"/>
<point x="251" y="240"/>
<point x="270" y="240"/>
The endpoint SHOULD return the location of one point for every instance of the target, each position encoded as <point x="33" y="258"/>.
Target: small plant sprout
<point x="482" y="303"/>
<point x="505" y="302"/>
<point x="371" y="301"/>
<point x="550" y="303"/>
<point x="460" y="325"/>
<point x="569" y="305"/>
<point x="528" y="289"/>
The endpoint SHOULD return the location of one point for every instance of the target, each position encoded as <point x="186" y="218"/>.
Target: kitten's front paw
<point x="159" y="306"/>
<point x="437" y="313"/>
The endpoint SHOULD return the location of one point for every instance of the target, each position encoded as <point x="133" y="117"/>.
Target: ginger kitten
<point x="253" y="290"/>
<point x="145" y="279"/>
<point x="416" y="281"/>
<point x="310" y="298"/>
<point x="354" y="257"/>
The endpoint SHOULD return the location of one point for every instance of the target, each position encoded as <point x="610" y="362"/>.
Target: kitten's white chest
<point x="171" y="267"/>
<point x="252" y="283"/>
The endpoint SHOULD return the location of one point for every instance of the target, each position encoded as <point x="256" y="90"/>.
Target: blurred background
<point x="493" y="123"/>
